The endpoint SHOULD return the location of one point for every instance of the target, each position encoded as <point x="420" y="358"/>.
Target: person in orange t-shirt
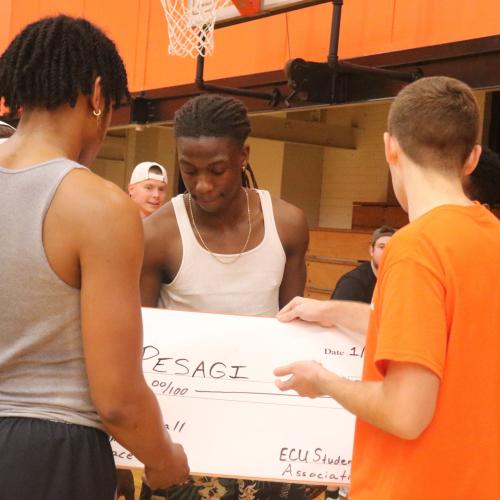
<point x="428" y="406"/>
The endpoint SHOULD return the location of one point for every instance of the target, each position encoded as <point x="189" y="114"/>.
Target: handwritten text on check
<point x="213" y="377"/>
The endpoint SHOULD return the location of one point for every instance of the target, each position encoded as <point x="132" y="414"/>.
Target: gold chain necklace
<point x="215" y="256"/>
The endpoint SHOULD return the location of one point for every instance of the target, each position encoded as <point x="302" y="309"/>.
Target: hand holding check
<point x="310" y="310"/>
<point x="308" y="378"/>
<point x="173" y="471"/>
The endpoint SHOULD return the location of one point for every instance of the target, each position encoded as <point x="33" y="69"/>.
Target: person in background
<point x="148" y="187"/>
<point x="6" y="131"/>
<point x="358" y="284"/>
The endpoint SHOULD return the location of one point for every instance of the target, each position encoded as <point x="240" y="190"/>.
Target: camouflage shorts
<point x="234" y="489"/>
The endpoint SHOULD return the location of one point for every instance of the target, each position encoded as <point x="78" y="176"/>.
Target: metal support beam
<point x="333" y="52"/>
<point x="340" y="68"/>
<point x="273" y="98"/>
<point x="333" y="76"/>
<point x="476" y="62"/>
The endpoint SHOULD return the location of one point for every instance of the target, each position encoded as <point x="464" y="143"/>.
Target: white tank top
<point x="248" y="286"/>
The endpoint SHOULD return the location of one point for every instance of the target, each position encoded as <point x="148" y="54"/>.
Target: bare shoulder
<point x="291" y="224"/>
<point x="90" y="222"/>
<point x="87" y="197"/>
<point x="288" y="213"/>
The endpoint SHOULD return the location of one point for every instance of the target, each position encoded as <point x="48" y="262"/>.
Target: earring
<point x="97" y="114"/>
<point x="244" y="167"/>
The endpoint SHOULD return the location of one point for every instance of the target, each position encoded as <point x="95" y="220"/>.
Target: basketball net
<point x="191" y="25"/>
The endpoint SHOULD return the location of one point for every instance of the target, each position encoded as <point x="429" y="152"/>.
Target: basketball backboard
<point x="191" y="23"/>
<point x="229" y="14"/>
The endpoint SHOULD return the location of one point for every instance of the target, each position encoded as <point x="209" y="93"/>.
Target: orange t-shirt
<point x="437" y="304"/>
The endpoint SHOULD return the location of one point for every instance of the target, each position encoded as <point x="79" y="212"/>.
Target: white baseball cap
<point x="142" y="172"/>
<point x="6" y="131"/>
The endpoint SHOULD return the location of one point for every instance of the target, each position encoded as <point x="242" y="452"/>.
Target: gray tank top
<point x="42" y="369"/>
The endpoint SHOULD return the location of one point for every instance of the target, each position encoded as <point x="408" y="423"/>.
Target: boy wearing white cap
<point x="148" y="187"/>
<point x="6" y="131"/>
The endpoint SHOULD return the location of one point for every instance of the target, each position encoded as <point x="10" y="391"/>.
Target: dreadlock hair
<point x="484" y="182"/>
<point x="213" y="115"/>
<point x="54" y="60"/>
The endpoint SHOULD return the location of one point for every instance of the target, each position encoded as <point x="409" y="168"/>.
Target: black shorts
<point x="46" y="460"/>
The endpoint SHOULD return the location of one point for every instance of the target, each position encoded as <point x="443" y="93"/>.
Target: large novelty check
<point x="213" y="377"/>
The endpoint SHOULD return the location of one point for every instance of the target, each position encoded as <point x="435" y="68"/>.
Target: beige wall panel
<point x="302" y="177"/>
<point x="361" y="174"/>
<point x="266" y="159"/>
<point x="354" y="175"/>
<point x="291" y="170"/>
<point x="112" y="170"/>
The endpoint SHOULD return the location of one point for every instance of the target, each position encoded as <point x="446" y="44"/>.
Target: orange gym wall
<point x="368" y="27"/>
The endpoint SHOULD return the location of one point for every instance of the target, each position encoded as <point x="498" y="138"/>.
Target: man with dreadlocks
<point x="70" y="343"/>
<point x="223" y="247"/>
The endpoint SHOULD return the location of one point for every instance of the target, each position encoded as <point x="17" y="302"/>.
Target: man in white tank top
<point x="223" y="247"/>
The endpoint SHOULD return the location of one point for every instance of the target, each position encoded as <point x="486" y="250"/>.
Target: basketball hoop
<point x="191" y="25"/>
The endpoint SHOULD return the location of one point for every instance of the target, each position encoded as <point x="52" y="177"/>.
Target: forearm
<point x="138" y="426"/>
<point x="363" y="399"/>
<point x="386" y="405"/>
<point x="349" y="315"/>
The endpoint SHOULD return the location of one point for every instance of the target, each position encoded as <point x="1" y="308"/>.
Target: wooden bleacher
<point x="372" y="215"/>
<point x="332" y="253"/>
